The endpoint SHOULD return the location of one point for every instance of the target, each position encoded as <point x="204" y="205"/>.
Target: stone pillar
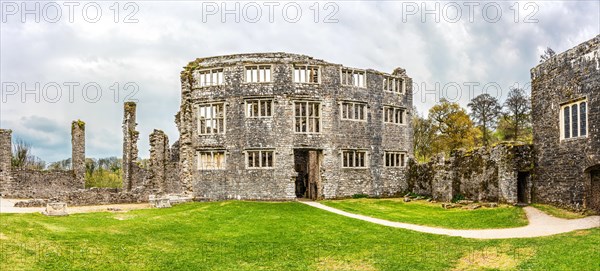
<point x="5" y="160"/>
<point x="159" y="154"/>
<point x="130" y="150"/>
<point x="78" y="151"/>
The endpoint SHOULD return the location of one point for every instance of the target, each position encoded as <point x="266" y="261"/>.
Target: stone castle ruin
<point x="279" y="126"/>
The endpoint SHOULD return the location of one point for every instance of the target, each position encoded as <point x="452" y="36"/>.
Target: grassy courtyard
<point x="432" y="214"/>
<point x="237" y="235"/>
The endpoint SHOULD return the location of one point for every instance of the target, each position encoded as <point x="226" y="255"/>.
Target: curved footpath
<point x="540" y="224"/>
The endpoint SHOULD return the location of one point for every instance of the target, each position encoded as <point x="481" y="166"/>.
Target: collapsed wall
<point x="31" y="183"/>
<point x="497" y="174"/>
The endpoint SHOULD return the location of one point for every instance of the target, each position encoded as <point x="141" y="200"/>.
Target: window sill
<point x="354" y="120"/>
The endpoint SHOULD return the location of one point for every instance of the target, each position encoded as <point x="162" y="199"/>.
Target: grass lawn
<point x="558" y="212"/>
<point x="432" y="214"/>
<point x="236" y="235"/>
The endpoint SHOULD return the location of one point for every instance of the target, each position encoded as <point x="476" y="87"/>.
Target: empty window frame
<point x="394" y="159"/>
<point x="258" y="74"/>
<point x="573" y="119"/>
<point x="352" y="77"/>
<point x="353" y="111"/>
<point x="259" y="158"/>
<point x="259" y="108"/>
<point x="393" y="84"/>
<point x="354" y="159"/>
<point x="393" y="115"/>
<point x="210" y="77"/>
<point x="307" y="117"/>
<point x="211" y="118"/>
<point x="306" y="74"/>
<point x="211" y="159"/>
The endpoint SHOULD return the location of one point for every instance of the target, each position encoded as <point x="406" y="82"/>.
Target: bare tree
<point x="548" y="53"/>
<point x="485" y="110"/>
<point x="517" y="109"/>
<point x="21" y="150"/>
<point x="22" y="157"/>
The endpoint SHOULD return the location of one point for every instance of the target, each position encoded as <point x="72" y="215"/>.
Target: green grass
<point x="432" y="214"/>
<point x="558" y="212"/>
<point x="236" y="235"/>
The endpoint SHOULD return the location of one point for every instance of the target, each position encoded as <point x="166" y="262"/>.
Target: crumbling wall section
<point x="5" y="160"/>
<point x="46" y="184"/>
<point x="130" y="150"/>
<point x="163" y="169"/>
<point x="482" y="174"/>
<point x="78" y="152"/>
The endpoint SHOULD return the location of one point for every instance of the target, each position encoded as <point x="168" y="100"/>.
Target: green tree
<point x="485" y="110"/>
<point x="452" y="126"/>
<point x="423" y="137"/>
<point x="517" y="112"/>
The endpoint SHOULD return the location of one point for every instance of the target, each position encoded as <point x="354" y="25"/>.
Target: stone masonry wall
<point x="481" y="174"/>
<point x="277" y="133"/>
<point x="562" y="166"/>
<point x="29" y="183"/>
<point x="78" y="152"/>
<point x="130" y="150"/>
<point x="5" y="160"/>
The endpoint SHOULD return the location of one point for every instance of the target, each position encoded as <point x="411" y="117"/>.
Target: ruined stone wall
<point x="482" y="174"/>
<point x="130" y="149"/>
<point x="276" y="133"/>
<point x="27" y="183"/>
<point x="46" y="184"/>
<point x="5" y="160"/>
<point x="561" y="176"/>
<point x="163" y="169"/>
<point x="78" y="152"/>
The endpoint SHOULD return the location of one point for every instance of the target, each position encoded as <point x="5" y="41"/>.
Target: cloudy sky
<point x="62" y="61"/>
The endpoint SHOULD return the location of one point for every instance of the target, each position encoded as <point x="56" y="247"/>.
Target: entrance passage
<point x="307" y="164"/>
<point x="594" y="200"/>
<point x="522" y="183"/>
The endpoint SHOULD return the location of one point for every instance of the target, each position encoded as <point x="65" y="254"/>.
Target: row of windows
<point x="574" y="120"/>
<point x="302" y="74"/>
<point x="307" y="115"/>
<point x="216" y="159"/>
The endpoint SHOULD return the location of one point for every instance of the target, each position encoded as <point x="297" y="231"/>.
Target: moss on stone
<point x="79" y="123"/>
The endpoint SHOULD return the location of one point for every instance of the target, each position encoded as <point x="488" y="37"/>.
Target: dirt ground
<point x="8" y="206"/>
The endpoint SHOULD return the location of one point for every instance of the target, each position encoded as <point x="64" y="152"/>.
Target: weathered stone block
<point x="56" y="209"/>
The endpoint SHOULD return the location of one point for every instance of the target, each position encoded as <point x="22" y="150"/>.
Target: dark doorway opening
<point x="594" y="199"/>
<point x="522" y="184"/>
<point x="307" y="164"/>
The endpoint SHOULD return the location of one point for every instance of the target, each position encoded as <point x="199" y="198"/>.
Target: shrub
<point x="360" y="196"/>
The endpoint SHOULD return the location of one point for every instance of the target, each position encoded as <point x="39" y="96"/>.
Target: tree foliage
<point x="517" y="115"/>
<point x="452" y="127"/>
<point x="423" y="137"/>
<point x="485" y="110"/>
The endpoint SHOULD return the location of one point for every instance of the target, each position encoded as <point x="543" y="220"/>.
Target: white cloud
<point x="152" y="52"/>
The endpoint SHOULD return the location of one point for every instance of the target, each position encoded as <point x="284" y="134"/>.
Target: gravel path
<point x="540" y="224"/>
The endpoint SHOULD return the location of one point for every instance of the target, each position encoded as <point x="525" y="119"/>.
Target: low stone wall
<point x="483" y="174"/>
<point x="99" y="196"/>
<point x="42" y="184"/>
